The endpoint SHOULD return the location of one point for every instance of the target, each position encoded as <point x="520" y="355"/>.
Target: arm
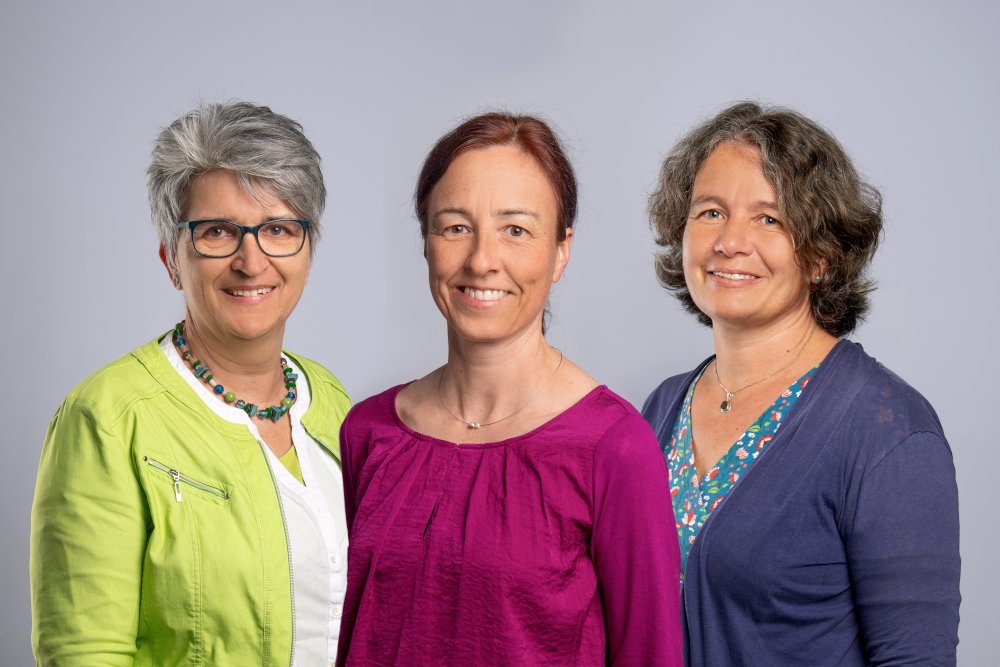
<point x="88" y="535"/>
<point x="350" y="493"/>
<point x="902" y="547"/>
<point x="634" y="547"/>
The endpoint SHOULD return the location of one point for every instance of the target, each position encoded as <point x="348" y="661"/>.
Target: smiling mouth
<point x="484" y="294"/>
<point x="732" y="276"/>
<point x="250" y="292"/>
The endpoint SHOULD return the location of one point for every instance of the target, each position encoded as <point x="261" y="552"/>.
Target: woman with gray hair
<point x="189" y="503"/>
<point x="814" y="492"/>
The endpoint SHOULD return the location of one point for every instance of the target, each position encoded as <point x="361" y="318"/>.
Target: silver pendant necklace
<point x="476" y="425"/>
<point x="727" y="403"/>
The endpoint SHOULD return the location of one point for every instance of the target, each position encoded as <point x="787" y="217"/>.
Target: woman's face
<point x="247" y="295"/>
<point x="492" y="249"/>
<point x="739" y="263"/>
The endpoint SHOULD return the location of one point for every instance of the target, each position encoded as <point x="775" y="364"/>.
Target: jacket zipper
<point x="181" y="478"/>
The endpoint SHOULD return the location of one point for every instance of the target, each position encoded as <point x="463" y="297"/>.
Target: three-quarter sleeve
<point x="88" y="536"/>
<point x="902" y="547"/>
<point x="347" y="470"/>
<point x="634" y="547"/>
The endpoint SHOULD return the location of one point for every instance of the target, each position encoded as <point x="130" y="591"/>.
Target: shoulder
<point x="322" y="383"/>
<point x="600" y="410"/>
<point x="661" y="404"/>
<point x="371" y="417"/>
<point x="621" y="431"/>
<point x="878" y="397"/>
<point x="114" y="389"/>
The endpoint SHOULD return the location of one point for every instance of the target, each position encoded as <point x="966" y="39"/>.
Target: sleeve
<point x="634" y="546"/>
<point x="902" y="549"/>
<point x="347" y="469"/>
<point x="89" y="524"/>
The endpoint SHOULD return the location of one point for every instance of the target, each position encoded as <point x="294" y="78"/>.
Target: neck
<point x="489" y="381"/>
<point x="250" y="368"/>
<point x="745" y="355"/>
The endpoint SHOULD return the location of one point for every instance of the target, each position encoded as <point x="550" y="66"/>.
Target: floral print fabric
<point x="695" y="499"/>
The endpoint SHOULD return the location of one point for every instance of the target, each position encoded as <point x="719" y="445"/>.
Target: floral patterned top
<point x="693" y="498"/>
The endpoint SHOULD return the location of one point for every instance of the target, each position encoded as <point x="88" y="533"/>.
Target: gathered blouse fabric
<point x="839" y="546"/>
<point x="556" y="547"/>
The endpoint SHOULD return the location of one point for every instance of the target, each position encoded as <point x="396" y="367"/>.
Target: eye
<point x="710" y="214"/>
<point x="279" y="229"/>
<point x="515" y="231"/>
<point x="770" y="221"/>
<point x="215" y="231"/>
<point x="455" y="230"/>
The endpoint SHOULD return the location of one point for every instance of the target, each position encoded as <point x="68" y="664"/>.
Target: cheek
<point x="687" y="249"/>
<point x="433" y="257"/>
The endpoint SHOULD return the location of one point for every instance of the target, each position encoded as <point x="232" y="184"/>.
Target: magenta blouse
<point x="556" y="547"/>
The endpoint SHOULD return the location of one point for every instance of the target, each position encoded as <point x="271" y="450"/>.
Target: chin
<point x="253" y="330"/>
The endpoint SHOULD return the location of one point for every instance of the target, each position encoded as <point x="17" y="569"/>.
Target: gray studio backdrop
<point x="909" y="87"/>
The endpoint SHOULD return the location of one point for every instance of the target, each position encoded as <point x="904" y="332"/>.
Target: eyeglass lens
<point x="277" y="238"/>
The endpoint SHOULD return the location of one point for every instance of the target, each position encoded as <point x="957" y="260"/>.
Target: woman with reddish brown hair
<point x="505" y="509"/>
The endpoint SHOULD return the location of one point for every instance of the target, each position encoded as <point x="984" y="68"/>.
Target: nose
<point x="482" y="258"/>
<point x="249" y="258"/>
<point x="733" y="238"/>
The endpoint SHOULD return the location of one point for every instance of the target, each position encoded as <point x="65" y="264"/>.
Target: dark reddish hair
<point x="530" y="134"/>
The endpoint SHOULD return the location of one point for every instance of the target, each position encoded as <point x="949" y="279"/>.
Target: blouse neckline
<point x="565" y="414"/>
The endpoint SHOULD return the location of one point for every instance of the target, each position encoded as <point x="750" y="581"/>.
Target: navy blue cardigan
<point x="840" y="545"/>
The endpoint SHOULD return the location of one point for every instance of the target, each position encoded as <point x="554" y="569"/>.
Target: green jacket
<point x="122" y="572"/>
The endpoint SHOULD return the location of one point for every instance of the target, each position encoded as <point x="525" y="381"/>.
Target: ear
<point x="174" y="278"/>
<point x="818" y="274"/>
<point x="563" y="248"/>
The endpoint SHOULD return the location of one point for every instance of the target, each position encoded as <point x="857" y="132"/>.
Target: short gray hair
<point x="267" y="152"/>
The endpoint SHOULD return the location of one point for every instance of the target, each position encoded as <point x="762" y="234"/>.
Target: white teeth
<point x="250" y="292"/>
<point x="733" y="276"/>
<point x="484" y="294"/>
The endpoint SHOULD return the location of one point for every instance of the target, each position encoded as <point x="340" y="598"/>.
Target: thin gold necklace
<point x="477" y="425"/>
<point x="727" y="404"/>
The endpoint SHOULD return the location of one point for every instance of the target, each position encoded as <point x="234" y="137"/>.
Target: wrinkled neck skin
<point x="493" y="379"/>
<point x="745" y="354"/>
<point x="248" y="367"/>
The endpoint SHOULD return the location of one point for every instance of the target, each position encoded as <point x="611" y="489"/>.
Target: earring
<point x="819" y="278"/>
<point x="177" y="281"/>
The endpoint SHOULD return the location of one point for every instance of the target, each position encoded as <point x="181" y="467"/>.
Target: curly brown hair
<point x="833" y="216"/>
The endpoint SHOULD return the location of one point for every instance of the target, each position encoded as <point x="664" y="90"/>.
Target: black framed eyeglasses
<point x="282" y="237"/>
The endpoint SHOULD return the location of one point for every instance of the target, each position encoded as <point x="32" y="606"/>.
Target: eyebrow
<point x="712" y="199"/>
<point x="507" y="212"/>
<point x="453" y="211"/>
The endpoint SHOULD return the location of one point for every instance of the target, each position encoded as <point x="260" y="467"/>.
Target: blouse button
<point x="336" y="610"/>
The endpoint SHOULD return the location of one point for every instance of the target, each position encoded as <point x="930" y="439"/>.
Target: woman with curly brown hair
<point x="814" y="492"/>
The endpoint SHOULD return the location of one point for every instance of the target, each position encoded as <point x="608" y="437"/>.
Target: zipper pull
<point x="177" y="484"/>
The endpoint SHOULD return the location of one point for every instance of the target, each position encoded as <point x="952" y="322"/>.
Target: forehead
<point x="499" y="172"/>
<point x="222" y="193"/>
<point x="730" y="160"/>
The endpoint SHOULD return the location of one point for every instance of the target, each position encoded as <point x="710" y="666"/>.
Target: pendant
<point x="474" y="425"/>
<point x="727" y="404"/>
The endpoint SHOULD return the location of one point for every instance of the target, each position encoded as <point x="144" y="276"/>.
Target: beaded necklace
<point x="200" y="370"/>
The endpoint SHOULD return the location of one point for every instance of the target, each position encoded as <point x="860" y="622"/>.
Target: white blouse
<point x="314" y="520"/>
